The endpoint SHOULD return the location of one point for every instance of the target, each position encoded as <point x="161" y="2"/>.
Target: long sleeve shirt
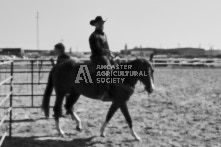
<point x="98" y="44"/>
<point x="61" y="58"/>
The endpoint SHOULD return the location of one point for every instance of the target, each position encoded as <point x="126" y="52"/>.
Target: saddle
<point x="110" y="88"/>
<point x="105" y="88"/>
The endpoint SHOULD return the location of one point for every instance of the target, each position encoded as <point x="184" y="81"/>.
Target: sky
<point x="146" y="23"/>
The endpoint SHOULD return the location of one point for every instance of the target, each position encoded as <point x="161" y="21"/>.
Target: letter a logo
<point x="83" y="70"/>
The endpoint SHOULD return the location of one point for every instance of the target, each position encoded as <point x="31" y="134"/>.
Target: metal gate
<point x="7" y="97"/>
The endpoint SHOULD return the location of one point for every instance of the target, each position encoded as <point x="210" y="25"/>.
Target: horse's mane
<point x="138" y="61"/>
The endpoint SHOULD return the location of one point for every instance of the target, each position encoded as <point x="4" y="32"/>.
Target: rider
<point x="100" y="50"/>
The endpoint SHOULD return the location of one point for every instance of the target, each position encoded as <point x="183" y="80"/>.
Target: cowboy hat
<point x="97" y="19"/>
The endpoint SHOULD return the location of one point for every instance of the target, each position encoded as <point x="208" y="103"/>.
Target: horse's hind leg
<point x="110" y="114"/>
<point x="58" y="111"/>
<point x="71" y="100"/>
<point x="124" y="110"/>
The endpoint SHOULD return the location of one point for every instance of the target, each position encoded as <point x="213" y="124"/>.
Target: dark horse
<point x="64" y="78"/>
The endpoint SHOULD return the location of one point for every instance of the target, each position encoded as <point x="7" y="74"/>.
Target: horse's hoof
<point x="102" y="135"/>
<point x="79" y="129"/>
<point x="138" y="139"/>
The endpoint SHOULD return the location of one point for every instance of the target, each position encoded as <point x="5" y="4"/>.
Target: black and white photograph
<point x="110" y="73"/>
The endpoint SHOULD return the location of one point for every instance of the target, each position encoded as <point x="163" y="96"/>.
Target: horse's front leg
<point x="112" y="110"/>
<point x="58" y="127"/>
<point x="71" y="100"/>
<point x="124" y="110"/>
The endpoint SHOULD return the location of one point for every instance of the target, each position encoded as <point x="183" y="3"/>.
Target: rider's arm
<point x="107" y="46"/>
<point x="96" y="45"/>
<point x="62" y="58"/>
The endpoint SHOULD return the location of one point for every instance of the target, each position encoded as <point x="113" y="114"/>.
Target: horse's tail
<point x="47" y="94"/>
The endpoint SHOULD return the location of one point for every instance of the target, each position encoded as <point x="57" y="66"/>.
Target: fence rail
<point x="3" y="101"/>
<point x="207" y="62"/>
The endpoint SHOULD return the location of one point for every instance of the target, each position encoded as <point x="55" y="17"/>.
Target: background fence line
<point x="156" y="61"/>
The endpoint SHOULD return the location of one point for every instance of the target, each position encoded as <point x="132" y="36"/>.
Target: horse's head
<point x="147" y="77"/>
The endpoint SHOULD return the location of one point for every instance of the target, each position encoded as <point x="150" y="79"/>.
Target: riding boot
<point x="106" y="95"/>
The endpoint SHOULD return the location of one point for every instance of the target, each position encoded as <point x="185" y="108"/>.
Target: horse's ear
<point x="151" y="57"/>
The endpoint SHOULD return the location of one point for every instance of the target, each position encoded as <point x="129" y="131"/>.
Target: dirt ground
<point x="184" y="111"/>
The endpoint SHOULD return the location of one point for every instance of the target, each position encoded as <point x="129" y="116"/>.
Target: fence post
<point x="11" y="97"/>
<point x="32" y="81"/>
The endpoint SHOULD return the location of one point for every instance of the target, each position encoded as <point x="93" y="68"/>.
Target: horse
<point x="65" y="80"/>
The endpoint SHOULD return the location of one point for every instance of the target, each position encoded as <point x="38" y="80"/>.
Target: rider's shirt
<point x="61" y="58"/>
<point x="98" y="44"/>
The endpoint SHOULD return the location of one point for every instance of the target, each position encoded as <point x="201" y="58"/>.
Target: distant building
<point x="213" y="52"/>
<point x="31" y="51"/>
<point x="176" y="51"/>
<point x="11" y="51"/>
<point x="141" y="52"/>
<point x="125" y="52"/>
<point x="138" y="51"/>
<point x="190" y="51"/>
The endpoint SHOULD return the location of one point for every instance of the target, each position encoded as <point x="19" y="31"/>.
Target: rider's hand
<point x="112" y="55"/>
<point x="107" y="51"/>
